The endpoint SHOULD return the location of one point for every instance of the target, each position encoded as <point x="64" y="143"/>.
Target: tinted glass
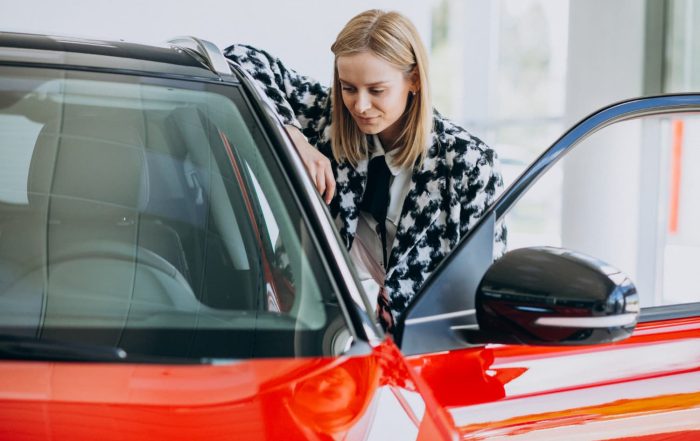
<point x="148" y="215"/>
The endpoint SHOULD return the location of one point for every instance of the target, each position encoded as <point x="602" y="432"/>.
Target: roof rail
<point x="206" y="51"/>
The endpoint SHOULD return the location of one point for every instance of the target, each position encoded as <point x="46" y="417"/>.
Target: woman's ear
<point x="414" y="79"/>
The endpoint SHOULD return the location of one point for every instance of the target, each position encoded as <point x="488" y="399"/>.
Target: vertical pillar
<point x="614" y="53"/>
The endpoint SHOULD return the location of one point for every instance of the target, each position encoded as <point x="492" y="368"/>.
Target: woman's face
<point x="375" y="93"/>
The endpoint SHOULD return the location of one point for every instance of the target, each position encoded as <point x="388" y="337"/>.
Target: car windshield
<point x="149" y="215"/>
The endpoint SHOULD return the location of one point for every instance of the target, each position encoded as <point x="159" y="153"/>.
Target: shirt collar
<point x="377" y="149"/>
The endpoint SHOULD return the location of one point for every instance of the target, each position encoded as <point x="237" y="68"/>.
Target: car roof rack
<point x="206" y="51"/>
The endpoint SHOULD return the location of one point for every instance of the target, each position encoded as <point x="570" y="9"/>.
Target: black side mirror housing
<point x="553" y="296"/>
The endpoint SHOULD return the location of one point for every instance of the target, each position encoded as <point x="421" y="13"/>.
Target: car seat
<point x="86" y="256"/>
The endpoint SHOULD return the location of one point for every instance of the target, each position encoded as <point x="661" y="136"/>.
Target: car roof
<point x="116" y="56"/>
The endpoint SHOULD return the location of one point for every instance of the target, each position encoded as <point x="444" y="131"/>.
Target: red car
<point x="168" y="272"/>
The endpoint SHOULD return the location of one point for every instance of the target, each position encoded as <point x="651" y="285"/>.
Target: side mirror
<point x="553" y="296"/>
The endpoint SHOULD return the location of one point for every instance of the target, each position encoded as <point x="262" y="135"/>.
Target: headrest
<point x="91" y="164"/>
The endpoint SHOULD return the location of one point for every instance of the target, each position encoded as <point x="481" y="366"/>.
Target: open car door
<point x="533" y="344"/>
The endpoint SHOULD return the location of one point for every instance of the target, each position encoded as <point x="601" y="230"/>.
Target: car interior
<point x="121" y="233"/>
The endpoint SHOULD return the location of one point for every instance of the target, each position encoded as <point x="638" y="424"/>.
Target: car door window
<point x="626" y="195"/>
<point x="150" y="215"/>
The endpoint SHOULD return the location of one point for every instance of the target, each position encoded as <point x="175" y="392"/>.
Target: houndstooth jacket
<point x="456" y="182"/>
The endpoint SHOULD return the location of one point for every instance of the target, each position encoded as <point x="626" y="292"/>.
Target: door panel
<point x="648" y="384"/>
<point x="610" y="198"/>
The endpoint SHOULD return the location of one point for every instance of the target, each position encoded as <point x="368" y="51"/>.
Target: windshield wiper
<point x="30" y="348"/>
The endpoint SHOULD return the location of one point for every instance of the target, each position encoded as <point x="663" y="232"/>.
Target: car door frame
<point x="363" y="325"/>
<point x="445" y="304"/>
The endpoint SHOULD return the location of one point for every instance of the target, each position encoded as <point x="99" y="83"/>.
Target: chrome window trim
<point x="433" y="318"/>
<point x="601" y="322"/>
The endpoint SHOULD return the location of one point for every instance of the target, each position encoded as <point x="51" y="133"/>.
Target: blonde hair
<point x="392" y="37"/>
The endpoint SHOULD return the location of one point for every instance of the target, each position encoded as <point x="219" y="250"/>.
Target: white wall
<point x="300" y="31"/>
<point x="606" y="64"/>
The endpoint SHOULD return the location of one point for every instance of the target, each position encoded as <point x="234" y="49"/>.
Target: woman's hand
<point x="318" y="166"/>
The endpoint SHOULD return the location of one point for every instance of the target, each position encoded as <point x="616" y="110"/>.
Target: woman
<point x="404" y="183"/>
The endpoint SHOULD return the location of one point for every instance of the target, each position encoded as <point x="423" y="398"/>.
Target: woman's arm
<point x="481" y="187"/>
<point x="316" y="163"/>
<point x="301" y="103"/>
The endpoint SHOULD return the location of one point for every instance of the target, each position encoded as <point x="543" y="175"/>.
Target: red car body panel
<point x="290" y="399"/>
<point x="648" y="385"/>
<point x="649" y="390"/>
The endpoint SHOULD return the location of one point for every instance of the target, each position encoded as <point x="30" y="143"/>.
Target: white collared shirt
<point x="366" y="250"/>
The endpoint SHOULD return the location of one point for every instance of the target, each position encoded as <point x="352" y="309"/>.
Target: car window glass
<point x="17" y="136"/>
<point x="626" y="195"/>
<point x="150" y="215"/>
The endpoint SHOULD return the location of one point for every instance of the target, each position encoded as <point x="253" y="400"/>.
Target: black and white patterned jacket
<point x="456" y="182"/>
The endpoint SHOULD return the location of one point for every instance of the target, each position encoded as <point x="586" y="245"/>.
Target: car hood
<point x="316" y="398"/>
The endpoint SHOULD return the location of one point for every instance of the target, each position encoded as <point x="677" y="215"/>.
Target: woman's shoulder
<point x="455" y="139"/>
